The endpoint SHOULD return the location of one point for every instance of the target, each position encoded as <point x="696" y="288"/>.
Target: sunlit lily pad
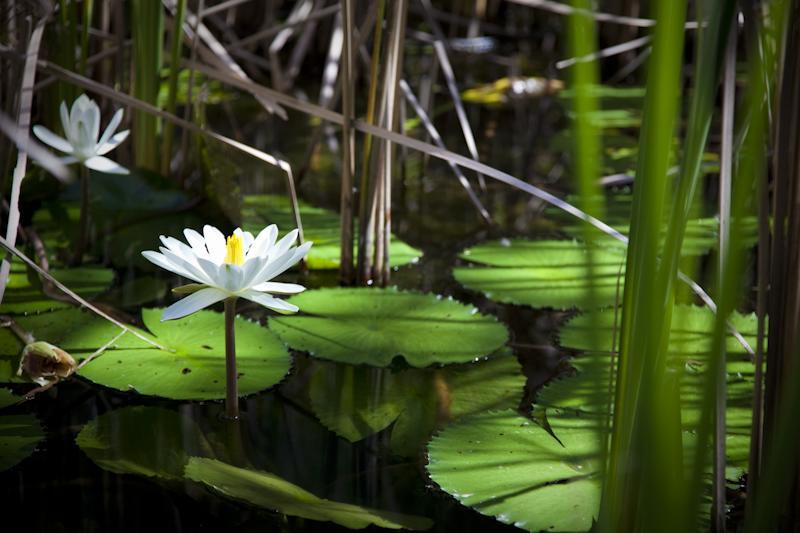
<point x="272" y="492"/>
<point x="356" y="402"/>
<point x="191" y="367"/>
<point x="24" y="292"/>
<point x="19" y="435"/>
<point x="505" y="466"/>
<point x="147" y="441"/>
<point x="543" y="273"/>
<point x="321" y="226"/>
<point x="373" y="326"/>
<point x="690" y="334"/>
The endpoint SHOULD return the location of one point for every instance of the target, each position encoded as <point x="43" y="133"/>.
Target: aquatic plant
<point x="81" y="126"/>
<point x="227" y="269"/>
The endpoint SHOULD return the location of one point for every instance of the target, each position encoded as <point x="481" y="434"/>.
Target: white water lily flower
<point x="81" y="127"/>
<point x="241" y="266"/>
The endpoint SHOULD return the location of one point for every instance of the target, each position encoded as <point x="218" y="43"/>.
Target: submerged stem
<point x="231" y="385"/>
<point x="83" y="223"/>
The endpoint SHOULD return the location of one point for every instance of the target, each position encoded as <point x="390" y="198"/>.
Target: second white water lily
<point x="82" y="127"/>
<point x="239" y="266"/>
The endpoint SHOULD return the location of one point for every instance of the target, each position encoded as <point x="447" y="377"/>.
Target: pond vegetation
<point x="318" y="265"/>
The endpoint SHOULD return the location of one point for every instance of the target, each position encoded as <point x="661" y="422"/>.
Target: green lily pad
<point x="542" y="273"/>
<point x="24" y="291"/>
<point x="272" y="492"/>
<point x="355" y="402"/>
<point x="505" y="466"/>
<point x="146" y="441"/>
<point x="8" y="398"/>
<point x="373" y="326"/>
<point x="191" y="368"/>
<point x="690" y="334"/>
<point x="19" y="435"/>
<point x="321" y="226"/>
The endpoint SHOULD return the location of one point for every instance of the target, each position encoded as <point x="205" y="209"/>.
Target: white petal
<point x="282" y="263"/>
<point x="264" y="241"/>
<point x="64" y="118"/>
<point x="212" y="270"/>
<point x="197" y="242"/>
<point x="113" y="124"/>
<point x="162" y="261"/>
<point x="275" y="287"/>
<point x="185" y="252"/>
<point x="51" y="139"/>
<point x="284" y="244"/>
<point x="68" y="159"/>
<point x="215" y="242"/>
<point x="104" y="164"/>
<point x="115" y="141"/>
<point x="231" y="277"/>
<point x="271" y="302"/>
<point x="251" y="268"/>
<point x="194" y="302"/>
<point x="190" y="270"/>
<point x="93" y="120"/>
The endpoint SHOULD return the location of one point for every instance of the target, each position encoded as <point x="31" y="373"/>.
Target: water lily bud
<point x="42" y="362"/>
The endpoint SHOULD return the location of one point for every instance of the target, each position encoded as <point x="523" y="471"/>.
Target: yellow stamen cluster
<point x="235" y="250"/>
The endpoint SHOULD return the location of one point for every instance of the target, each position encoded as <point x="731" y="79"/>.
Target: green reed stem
<point x="644" y="448"/>
<point x="172" y="91"/>
<point x="148" y="36"/>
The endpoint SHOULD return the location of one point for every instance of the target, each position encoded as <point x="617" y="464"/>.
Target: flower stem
<point x="83" y="223"/>
<point x="231" y="389"/>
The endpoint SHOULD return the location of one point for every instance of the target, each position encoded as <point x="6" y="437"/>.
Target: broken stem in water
<point x="231" y="386"/>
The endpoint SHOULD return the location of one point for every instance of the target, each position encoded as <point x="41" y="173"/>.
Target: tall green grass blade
<point x="643" y="482"/>
<point x="172" y="94"/>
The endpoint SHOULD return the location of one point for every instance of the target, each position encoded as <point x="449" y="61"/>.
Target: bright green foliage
<point x="321" y="226"/>
<point x="272" y="492"/>
<point x="19" y="435"/>
<point x="356" y="402"/>
<point x="147" y="441"/>
<point x="193" y="367"/>
<point x="508" y="467"/>
<point x="373" y="326"/>
<point x="542" y="273"/>
<point x="24" y="292"/>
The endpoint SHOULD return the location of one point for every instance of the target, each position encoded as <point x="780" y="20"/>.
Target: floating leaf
<point x="356" y="402"/>
<point x="272" y="492"/>
<point x="542" y="273"/>
<point x="505" y="466"/>
<point x="147" y="441"/>
<point x="321" y="226"/>
<point x="192" y="367"/>
<point x="19" y="435"/>
<point x="373" y="326"/>
<point x="24" y="291"/>
<point x="690" y="334"/>
<point x="8" y="398"/>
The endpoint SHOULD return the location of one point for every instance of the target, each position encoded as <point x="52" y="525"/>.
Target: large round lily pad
<point x="508" y="467"/>
<point x="356" y="402"/>
<point x="373" y="326"/>
<point x="321" y="226"/>
<point x="19" y="435"/>
<point x="272" y="492"/>
<point x="147" y="441"/>
<point x="543" y="273"/>
<point x="24" y="292"/>
<point x="192" y="366"/>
